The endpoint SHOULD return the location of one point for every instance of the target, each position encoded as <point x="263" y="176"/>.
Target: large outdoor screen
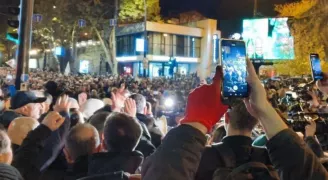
<point x="268" y="39"/>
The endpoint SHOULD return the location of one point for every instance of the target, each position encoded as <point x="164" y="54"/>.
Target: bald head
<point x="83" y="139"/>
<point x="20" y="127"/>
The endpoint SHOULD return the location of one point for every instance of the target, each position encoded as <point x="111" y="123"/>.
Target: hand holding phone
<point x="234" y="65"/>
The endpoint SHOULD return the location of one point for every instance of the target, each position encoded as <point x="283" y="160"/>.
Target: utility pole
<point x="24" y="45"/>
<point x="255" y="8"/>
<point x="145" y="60"/>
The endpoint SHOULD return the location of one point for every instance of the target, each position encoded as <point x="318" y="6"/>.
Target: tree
<point x="98" y="15"/>
<point x="133" y="10"/>
<point x="308" y="25"/>
<point x="58" y="25"/>
<point x="8" y="51"/>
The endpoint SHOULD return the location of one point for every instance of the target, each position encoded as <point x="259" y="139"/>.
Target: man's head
<point x="238" y="121"/>
<point x="98" y="121"/>
<point x="121" y="132"/>
<point x="6" y="154"/>
<point x="82" y="140"/>
<point x="140" y="102"/>
<point x="20" y="127"/>
<point x="27" y="104"/>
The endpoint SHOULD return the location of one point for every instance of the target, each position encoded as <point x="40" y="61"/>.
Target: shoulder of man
<point x="210" y="161"/>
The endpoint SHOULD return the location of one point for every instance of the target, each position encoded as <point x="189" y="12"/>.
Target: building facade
<point x="195" y="48"/>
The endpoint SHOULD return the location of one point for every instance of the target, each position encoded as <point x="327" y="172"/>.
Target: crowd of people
<point x="113" y="127"/>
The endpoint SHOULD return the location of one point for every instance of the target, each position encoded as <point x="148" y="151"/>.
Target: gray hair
<point x="140" y="102"/>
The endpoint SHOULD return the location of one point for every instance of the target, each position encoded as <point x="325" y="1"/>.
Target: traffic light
<point x="13" y="24"/>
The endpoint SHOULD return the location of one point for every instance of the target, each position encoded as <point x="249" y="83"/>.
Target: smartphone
<point x="234" y="66"/>
<point x="316" y="67"/>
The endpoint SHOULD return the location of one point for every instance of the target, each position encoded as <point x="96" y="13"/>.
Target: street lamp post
<point x="25" y="34"/>
<point x="145" y="61"/>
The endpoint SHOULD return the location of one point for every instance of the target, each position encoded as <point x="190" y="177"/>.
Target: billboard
<point x="268" y="39"/>
<point x="84" y="66"/>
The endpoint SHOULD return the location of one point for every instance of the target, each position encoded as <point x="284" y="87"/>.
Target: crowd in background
<point x="121" y="127"/>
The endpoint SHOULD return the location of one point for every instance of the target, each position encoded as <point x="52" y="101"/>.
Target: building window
<point x="173" y="45"/>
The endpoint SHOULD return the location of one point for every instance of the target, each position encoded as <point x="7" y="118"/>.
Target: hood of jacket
<point x="102" y="163"/>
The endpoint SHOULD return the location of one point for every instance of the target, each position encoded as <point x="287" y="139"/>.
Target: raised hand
<point x="204" y="104"/>
<point x="257" y="102"/>
<point x="62" y="104"/>
<point x="118" y="99"/>
<point x="53" y="120"/>
<point x="130" y="107"/>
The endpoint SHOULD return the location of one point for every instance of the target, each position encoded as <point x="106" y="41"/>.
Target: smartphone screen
<point x="316" y="67"/>
<point x="233" y="63"/>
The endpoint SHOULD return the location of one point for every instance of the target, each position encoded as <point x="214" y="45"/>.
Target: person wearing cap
<point x="23" y="103"/>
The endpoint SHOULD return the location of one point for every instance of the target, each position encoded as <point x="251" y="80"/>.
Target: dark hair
<point x="121" y="133"/>
<point x="241" y="119"/>
<point x="140" y="102"/>
<point x="98" y="120"/>
<point x="79" y="142"/>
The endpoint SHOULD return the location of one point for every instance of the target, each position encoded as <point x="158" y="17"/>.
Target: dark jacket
<point x="180" y="153"/>
<point x="8" y="116"/>
<point x="26" y="156"/>
<point x="79" y="169"/>
<point x="102" y="163"/>
<point x="41" y="145"/>
<point x="145" y="145"/>
<point x="293" y="158"/>
<point x="178" y="156"/>
<point x="314" y="146"/>
<point x="241" y="147"/>
<point x="108" y="176"/>
<point x="54" y="144"/>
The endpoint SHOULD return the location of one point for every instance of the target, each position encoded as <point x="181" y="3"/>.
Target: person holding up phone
<point x="181" y="150"/>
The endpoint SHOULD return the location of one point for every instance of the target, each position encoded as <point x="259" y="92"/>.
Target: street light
<point x="33" y="52"/>
<point x="54" y="7"/>
<point x="85" y="34"/>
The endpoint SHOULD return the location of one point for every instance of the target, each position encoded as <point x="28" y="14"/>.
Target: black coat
<point x="102" y="163"/>
<point x="108" y="176"/>
<point x="241" y="147"/>
<point x="25" y="158"/>
<point x="178" y="156"/>
<point x="40" y="145"/>
<point x="180" y="153"/>
<point x="145" y="145"/>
